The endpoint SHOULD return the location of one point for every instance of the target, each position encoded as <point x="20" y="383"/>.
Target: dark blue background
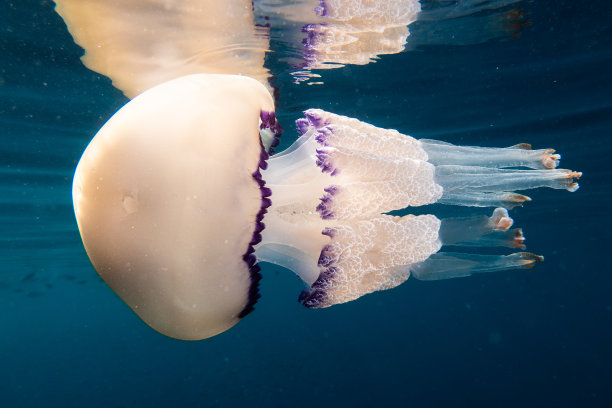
<point x="518" y="338"/>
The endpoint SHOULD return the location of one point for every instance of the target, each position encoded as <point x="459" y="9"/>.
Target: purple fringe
<point x="268" y="120"/>
<point x="314" y="37"/>
<point x="321" y="9"/>
<point x="323" y="208"/>
<point x="323" y="135"/>
<point x="327" y="257"/>
<point x="316" y="121"/>
<point x="325" y="162"/>
<point x="317" y="296"/>
<point x="302" y="125"/>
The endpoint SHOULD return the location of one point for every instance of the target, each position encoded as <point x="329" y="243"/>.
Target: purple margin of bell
<point x="268" y="120"/>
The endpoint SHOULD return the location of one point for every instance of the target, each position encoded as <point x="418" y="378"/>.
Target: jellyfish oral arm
<point x="331" y="188"/>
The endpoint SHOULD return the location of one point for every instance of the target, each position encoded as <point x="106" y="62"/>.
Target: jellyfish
<point x="178" y="198"/>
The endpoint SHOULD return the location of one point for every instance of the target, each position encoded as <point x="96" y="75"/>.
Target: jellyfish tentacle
<point x="446" y="265"/>
<point x="290" y="258"/>
<point x="482" y="231"/>
<point x="342" y="174"/>
<point x="373" y="184"/>
<point x="493" y="179"/>
<point x="468" y="185"/>
<point x="483" y="199"/>
<point x="519" y="155"/>
<point x="294" y="165"/>
<point x="369" y="255"/>
<point x="371" y="170"/>
<point x="352" y="134"/>
<point x="512" y="238"/>
<point x="367" y="198"/>
<point x="465" y="229"/>
<point x="382" y="170"/>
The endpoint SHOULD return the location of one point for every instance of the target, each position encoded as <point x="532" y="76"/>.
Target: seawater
<point x="518" y="338"/>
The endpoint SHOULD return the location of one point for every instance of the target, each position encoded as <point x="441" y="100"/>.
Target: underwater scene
<point x="287" y="203"/>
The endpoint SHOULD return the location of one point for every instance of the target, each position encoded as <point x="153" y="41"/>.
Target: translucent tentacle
<point x="519" y="155"/>
<point x="331" y="186"/>
<point x="512" y="238"/>
<point x="466" y="229"/>
<point x="495" y="180"/>
<point x="446" y="265"/>
<point x="483" y="199"/>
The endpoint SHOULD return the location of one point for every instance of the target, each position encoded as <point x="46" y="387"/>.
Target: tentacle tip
<point x="551" y="161"/>
<point x="518" y="240"/>
<point x="572" y="185"/>
<point x="504" y="224"/>
<point x="515" y="200"/>
<point x="530" y="259"/>
<point x="500" y="220"/>
<point x="574" y="175"/>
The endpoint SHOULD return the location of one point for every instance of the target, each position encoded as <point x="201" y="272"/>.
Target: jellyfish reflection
<point x="141" y="43"/>
<point x="177" y="199"/>
<point x="333" y="33"/>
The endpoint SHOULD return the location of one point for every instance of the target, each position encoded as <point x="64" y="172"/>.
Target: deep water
<point x="540" y="337"/>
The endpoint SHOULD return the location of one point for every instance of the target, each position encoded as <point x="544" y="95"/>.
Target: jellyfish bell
<point x="177" y="199"/>
<point x="167" y="204"/>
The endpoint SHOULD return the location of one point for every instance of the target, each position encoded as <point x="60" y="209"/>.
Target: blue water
<point x="541" y="337"/>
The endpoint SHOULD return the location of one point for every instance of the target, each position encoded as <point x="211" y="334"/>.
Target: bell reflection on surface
<point x="141" y="43"/>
